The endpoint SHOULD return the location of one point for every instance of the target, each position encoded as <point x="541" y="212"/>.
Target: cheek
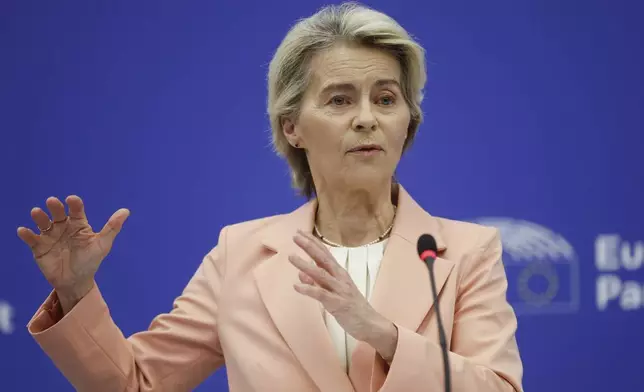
<point x="322" y="131"/>
<point x="398" y="133"/>
<point x="401" y="135"/>
<point x="404" y="126"/>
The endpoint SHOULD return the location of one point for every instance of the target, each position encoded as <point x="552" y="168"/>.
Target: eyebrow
<point x="349" y="86"/>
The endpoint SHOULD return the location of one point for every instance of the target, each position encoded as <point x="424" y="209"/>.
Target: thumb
<point x="114" y="225"/>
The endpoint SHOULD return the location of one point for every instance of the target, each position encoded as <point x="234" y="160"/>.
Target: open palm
<point x="67" y="250"/>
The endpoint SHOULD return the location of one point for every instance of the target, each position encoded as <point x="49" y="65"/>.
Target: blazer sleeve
<point x="179" y="350"/>
<point x="483" y="356"/>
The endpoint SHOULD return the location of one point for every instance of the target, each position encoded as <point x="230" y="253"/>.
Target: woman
<point x="291" y="302"/>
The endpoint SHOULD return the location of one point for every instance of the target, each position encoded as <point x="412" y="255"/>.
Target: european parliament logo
<point x="6" y="318"/>
<point x="619" y="262"/>
<point x="542" y="267"/>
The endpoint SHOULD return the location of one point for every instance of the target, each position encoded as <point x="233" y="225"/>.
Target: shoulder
<point x="467" y="237"/>
<point x="246" y="230"/>
<point x="455" y="237"/>
<point x="239" y="240"/>
<point x="477" y="250"/>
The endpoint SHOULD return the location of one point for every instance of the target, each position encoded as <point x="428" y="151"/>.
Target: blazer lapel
<point x="402" y="292"/>
<point x="298" y="318"/>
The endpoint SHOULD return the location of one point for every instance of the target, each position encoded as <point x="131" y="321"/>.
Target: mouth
<point x="367" y="149"/>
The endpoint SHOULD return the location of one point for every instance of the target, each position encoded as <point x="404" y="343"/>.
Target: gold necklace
<point x="380" y="238"/>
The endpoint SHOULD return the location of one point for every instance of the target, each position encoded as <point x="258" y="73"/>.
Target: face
<point x="354" y="119"/>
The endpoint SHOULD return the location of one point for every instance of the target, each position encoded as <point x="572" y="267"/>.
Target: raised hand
<point x="331" y="285"/>
<point x="67" y="250"/>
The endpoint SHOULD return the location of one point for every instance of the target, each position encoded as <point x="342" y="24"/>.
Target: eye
<point x="387" y="100"/>
<point x="339" y="100"/>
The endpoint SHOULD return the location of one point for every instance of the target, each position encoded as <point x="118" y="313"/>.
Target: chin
<point x="367" y="177"/>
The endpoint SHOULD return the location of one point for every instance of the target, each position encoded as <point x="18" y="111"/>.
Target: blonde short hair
<point x="289" y="73"/>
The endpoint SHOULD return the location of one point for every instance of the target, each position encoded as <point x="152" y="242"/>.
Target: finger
<point x="317" y="274"/>
<point x="56" y="209"/>
<point x="321" y="256"/>
<point x="315" y="241"/>
<point x="28" y="236"/>
<point x="304" y="278"/>
<point x="41" y="218"/>
<point x="76" y="207"/>
<point x="114" y="225"/>
<point x="315" y="292"/>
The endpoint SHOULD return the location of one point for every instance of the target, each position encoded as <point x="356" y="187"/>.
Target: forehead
<point x="352" y="64"/>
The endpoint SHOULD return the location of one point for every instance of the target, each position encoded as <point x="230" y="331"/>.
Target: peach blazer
<point x="240" y="310"/>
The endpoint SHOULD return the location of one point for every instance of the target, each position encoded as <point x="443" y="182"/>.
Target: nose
<point x="365" y="120"/>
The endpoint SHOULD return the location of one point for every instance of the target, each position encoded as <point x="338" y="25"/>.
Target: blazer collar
<point x="402" y="292"/>
<point x="410" y="222"/>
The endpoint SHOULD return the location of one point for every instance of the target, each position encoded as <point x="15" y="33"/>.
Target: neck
<point x="354" y="217"/>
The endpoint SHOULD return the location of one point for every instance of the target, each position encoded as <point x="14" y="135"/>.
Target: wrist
<point x="70" y="298"/>
<point x="384" y="339"/>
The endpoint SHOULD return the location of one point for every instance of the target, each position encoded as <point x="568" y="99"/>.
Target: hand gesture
<point x="331" y="285"/>
<point x="67" y="250"/>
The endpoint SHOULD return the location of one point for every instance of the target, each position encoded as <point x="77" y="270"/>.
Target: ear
<point x="290" y="132"/>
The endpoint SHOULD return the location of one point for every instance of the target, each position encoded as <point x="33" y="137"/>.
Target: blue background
<point x="534" y="110"/>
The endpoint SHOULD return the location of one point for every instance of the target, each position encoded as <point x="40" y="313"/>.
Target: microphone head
<point x="426" y="242"/>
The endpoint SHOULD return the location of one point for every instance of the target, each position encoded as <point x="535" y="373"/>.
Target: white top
<point x="363" y="264"/>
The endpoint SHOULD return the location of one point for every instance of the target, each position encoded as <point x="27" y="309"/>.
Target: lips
<point x="366" y="148"/>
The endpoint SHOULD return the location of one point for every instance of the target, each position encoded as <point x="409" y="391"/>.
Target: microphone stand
<point x="441" y="330"/>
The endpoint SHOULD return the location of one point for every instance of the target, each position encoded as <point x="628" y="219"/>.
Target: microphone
<point x="427" y="251"/>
